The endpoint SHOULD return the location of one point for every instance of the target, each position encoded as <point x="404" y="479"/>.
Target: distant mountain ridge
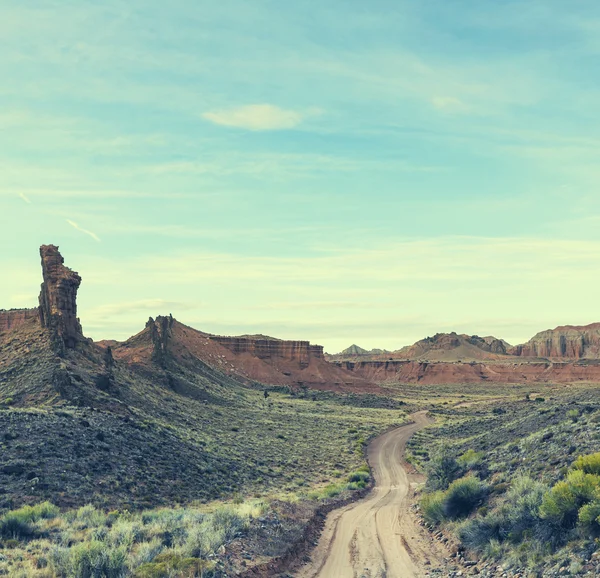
<point x="565" y="342"/>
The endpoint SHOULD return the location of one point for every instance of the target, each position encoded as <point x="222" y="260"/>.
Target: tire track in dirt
<point x="377" y="537"/>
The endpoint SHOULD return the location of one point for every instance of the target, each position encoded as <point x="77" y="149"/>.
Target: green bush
<point x="432" y="507"/>
<point x="463" y="496"/>
<point x="589" y="516"/>
<point x="18" y="523"/>
<point x="359" y="476"/>
<point x="442" y="470"/>
<point x="173" y="564"/>
<point x="227" y="520"/>
<point x="589" y="464"/>
<point x="521" y="508"/>
<point x="561" y="504"/>
<point x="92" y="559"/>
<point x="470" y="459"/>
<point x="573" y="414"/>
<point x="476" y="533"/>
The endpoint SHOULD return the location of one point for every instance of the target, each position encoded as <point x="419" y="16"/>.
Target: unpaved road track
<point x="377" y="537"/>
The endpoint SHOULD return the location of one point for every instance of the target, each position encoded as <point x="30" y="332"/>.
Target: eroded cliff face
<point x="14" y="318"/>
<point x="406" y="371"/>
<point x="58" y="298"/>
<point x="567" y="342"/>
<point x="298" y="351"/>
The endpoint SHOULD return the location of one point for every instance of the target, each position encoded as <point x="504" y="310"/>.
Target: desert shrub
<point x="522" y="506"/>
<point x="125" y="533"/>
<point x="476" y="533"/>
<point x="173" y="564"/>
<point x="442" y="470"/>
<point x="201" y="541"/>
<point x="145" y="553"/>
<point x="432" y="507"/>
<point x="589" y="464"/>
<point x="92" y="559"/>
<point x="229" y="521"/>
<point x="359" y="476"/>
<point x="331" y="491"/>
<point x="470" y="459"/>
<point x="358" y="480"/>
<point x="573" y="414"/>
<point x="18" y="523"/>
<point x="86" y="517"/>
<point x="589" y="516"/>
<point x="463" y="496"/>
<point x="15" y="527"/>
<point x="560" y="506"/>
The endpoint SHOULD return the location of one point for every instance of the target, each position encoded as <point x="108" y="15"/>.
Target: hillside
<point x="453" y="347"/>
<point x="170" y="416"/>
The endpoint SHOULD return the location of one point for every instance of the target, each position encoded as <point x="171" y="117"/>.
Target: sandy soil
<point x="378" y="537"/>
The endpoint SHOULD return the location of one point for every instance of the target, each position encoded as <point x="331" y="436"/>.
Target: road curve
<point x="376" y="537"/>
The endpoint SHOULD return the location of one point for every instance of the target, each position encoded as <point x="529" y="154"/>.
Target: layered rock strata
<point x="298" y="351"/>
<point x="14" y="318"/>
<point x="568" y="342"/>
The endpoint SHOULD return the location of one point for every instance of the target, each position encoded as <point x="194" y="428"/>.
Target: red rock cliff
<point x="16" y="317"/>
<point x="58" y="297"/>
<point x="568" y="341"/>
<point x="298" y="351"/>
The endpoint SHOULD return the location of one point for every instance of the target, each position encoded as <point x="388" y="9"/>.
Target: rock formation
<point x="14" y="318"/>
<point x="298" y="351"/>
<point x="160" y="334"/>
<point x="453" y="346"/>
<point x="58" y="299"/>
<point x="567" y="342"/>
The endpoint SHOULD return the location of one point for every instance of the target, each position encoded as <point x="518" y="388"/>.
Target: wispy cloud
<point x="256" y="117"/>
<point x="25" y="198"/>
<point x="449" y="104"/>
<point x="82" y="230"/>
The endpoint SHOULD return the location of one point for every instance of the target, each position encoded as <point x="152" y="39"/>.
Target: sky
<point x="340" y="172"/>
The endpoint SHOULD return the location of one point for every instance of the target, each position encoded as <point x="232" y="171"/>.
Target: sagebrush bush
<point x="470" y="459"/>
<point x="463" y="496"/>
<point x="442" y="470"/>
<point x="476" y="533"/>
<point x="19" y="523"/>
<point x="359" y="476"/>
<point x="87" y="543"/>
<point x="589" y="464"/>
<point x="589" y="516"/>
<point x="561" y="504"/>
<point x="521" y="507"/>
<point x="432" y="507"/>
<point x="93" y="559"/>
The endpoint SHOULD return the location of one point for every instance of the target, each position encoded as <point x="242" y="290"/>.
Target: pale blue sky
<point x="340" y="172"/>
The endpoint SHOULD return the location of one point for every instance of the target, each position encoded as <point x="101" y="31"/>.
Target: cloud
<point x="256" y="117"/>
<point x="82" y="230"/>
<point x="449" y="104"/>
<point x="25" y="198"/>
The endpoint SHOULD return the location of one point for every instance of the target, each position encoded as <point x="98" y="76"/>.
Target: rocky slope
<point x="246" y="359"/>
<point x="453" y="347"/>
<point x="170" y="416"/>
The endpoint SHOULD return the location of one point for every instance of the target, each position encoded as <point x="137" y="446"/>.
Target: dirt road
<point x="377" y="537"/>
